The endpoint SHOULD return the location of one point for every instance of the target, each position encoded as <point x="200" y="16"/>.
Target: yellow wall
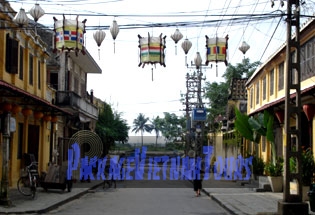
<point x="27" y="41"/>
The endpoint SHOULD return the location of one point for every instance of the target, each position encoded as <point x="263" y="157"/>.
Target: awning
<point x="282" y="100"/>
<point x="25" y="98"/>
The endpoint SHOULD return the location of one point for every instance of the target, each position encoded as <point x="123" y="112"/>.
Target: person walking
<point x="197" y="180"/>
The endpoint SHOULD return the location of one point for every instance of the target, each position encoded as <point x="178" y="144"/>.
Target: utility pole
<point x="292" y="203"/>
<point x="193" y="100"/>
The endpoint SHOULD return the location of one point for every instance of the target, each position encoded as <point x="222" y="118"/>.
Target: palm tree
<point x="140" y="124"/>
<point x="156" y="127"/>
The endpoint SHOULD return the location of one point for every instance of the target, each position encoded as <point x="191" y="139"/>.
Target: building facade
<point x="266" y="91"/>
<point x="43" y="92"/>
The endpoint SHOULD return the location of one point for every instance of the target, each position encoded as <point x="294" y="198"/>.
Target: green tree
<point x="241" y="70"/>
<point x="110" y="127"/>
<point x="171" y="126"/>
<point x="141" y="124"/>
<point x="217" y="93"/>
<point x="157" y="123"/>
<point x="218" y="98"/>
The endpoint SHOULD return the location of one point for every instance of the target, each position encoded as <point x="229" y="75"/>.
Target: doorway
<point x="33" y="140"/>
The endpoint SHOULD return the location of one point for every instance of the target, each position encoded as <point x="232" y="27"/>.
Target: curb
<point x="219" y="202"/>
<point x="51" y="207"/>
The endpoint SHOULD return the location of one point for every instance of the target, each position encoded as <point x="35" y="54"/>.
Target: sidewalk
<point x="45" y="201"/>
<point x="246" y="201"/>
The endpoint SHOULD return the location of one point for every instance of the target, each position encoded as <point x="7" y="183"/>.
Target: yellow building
<point x="266" y="91"/>
<point x="24" y="95"/>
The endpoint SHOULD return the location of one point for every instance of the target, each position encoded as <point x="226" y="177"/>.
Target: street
<point x="129" y="198"/>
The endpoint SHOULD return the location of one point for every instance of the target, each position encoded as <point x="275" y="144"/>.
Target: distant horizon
<point x="146" y="140"/>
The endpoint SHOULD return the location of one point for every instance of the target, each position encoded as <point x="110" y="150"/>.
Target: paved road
<point x="130" y="199"/>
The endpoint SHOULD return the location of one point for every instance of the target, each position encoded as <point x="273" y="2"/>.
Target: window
<point x="38" y="74"/>
<point x="257" y="92"/>
<point x="30" y="70"/>
<point x="264" y="87"/>
<point x="307" y="59"/>
<point x="12" y="54"/>
<point x="281" y="76"/>
<point x="272" y="81"/>
<point x="21" y="73"/>
<point x="53" y="80"/>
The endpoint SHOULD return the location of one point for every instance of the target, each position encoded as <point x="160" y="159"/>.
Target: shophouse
<point x="266" y="91"/>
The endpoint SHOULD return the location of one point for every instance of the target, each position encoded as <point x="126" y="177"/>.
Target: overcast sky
<point x="130" y="88"/>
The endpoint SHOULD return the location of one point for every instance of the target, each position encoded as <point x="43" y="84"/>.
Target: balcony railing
<point x="76" y="102"/>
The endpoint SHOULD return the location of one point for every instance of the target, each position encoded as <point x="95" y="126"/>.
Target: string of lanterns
<point x="69" y="35"/>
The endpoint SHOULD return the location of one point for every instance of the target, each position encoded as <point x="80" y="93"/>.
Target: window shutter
<point x="11" y="63"/>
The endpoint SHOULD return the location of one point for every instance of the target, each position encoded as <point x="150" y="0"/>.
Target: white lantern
<point x="114" y="30"/>
<point x="177" y="36"/>
<point x="186" y="45"/>
<point x="198" y="60"/>
<point x="21" y="18"/>
<point x="99" y="36"/>
<point x="36" y="12"/>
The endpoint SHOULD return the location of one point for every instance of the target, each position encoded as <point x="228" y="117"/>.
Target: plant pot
<point x="305" y="189"/>
<point x="276" y="183"/>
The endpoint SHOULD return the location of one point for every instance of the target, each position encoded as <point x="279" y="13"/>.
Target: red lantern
<point x="309" y="110"/>
<point x="6" y="106"/>
<point x="54" y="119"/>
<point x="16" y="109"/>
<point x="38" y="115"/>
<point x="27" y="112"/>
<point x="47" y="118"/>
<point x="280" y="116"/>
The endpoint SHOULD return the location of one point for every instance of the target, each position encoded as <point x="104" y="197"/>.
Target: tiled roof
<point x="238" y="90"/>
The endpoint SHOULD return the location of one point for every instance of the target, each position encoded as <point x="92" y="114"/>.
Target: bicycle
<point x="27" y="183"/>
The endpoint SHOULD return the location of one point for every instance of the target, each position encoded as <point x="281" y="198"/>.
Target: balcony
<point x="76" y="104"/>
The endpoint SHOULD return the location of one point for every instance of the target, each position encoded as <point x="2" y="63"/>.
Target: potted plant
<point x="274" y="173"/>
<point x="308" y="168"/>
<point x="258" y="166"/>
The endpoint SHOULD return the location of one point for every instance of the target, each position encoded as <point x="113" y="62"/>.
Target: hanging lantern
<point x="21" y="18"/>
<point x="36" y="12"/>
<point x="309" y="110"/>
<point x="114" y="30"/>
<point x="69" y="35"/>
<point x="244" y="47"/>
<point x="47" y="118"/>
<point x="152" y="50"/>
<point x="54" y="119"/>
<point x="16" y="109"/>
<point x="280" y="116"/>
<point x="186" y="45"/>
<point x="99" y="36"/>
<point x="27" y="112"/>
<point x="6" y="107"/>
<point x="216" y="50"/>
<point x="198" y="60"/>
<point x="177" y="36"/>
<point x="38" y="115"/>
